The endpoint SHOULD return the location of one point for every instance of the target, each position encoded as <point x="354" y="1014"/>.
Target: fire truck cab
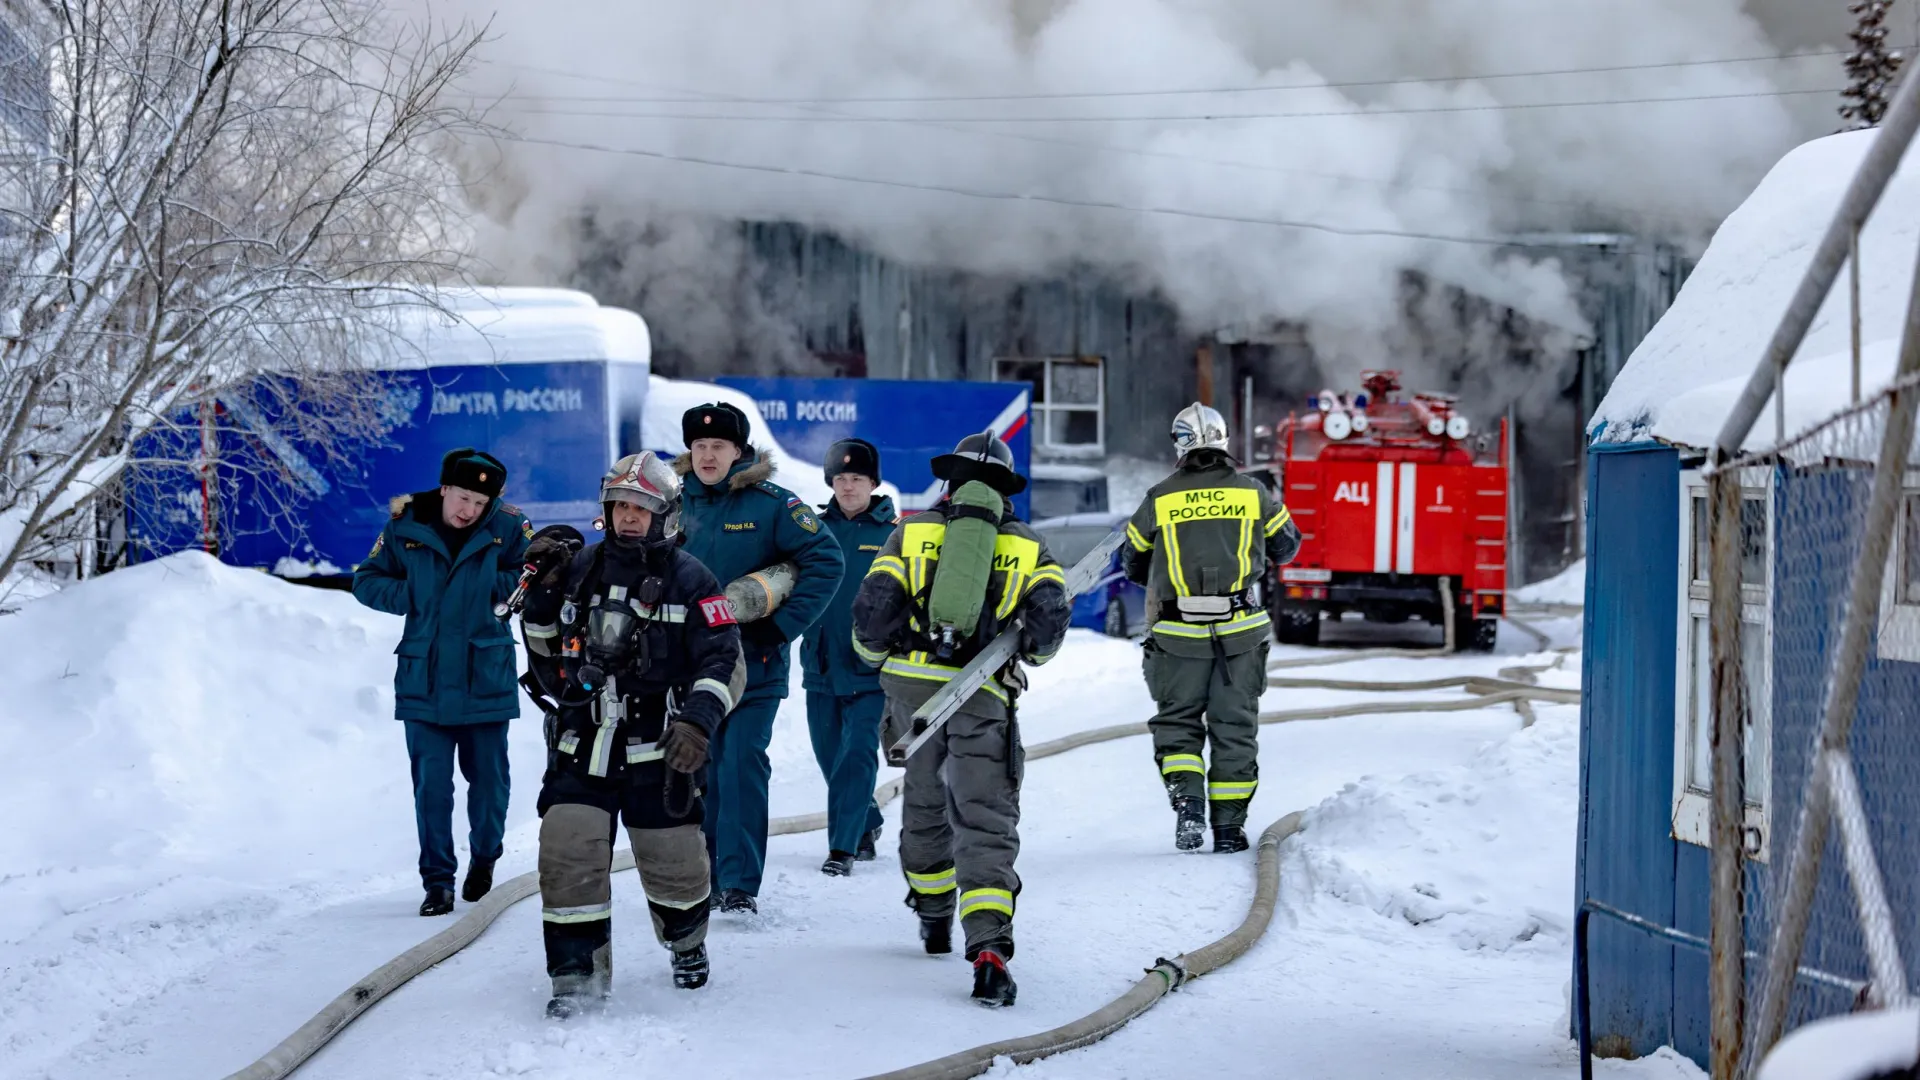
<point x="1402" y="510"/>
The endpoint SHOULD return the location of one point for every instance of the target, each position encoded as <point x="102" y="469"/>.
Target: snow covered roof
<point x="519" y="326"/>
<point x="1681" y="382"/>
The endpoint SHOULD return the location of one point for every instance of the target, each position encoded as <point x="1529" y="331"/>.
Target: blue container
<point x="911" y="421"/>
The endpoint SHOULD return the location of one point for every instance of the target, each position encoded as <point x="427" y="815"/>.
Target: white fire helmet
<point x="643" y="480"/>
<point x="1199" y="427"/>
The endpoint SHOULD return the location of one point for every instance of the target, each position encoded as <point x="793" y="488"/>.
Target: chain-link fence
<point x="1832" y="697"/>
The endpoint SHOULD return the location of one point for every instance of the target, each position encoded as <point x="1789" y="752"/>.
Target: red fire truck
<point x="1398" y="500"/>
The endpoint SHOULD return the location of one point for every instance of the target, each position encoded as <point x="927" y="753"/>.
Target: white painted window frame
<point x="1043" y="411"/>
<point x="1899" y="636"/>
<point x="1692" y="803"/>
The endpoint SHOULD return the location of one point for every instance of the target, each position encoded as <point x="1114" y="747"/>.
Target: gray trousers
<point x="576" y="892"/>
<point x="1202" y="698"/>
<point x="960" y="821"/>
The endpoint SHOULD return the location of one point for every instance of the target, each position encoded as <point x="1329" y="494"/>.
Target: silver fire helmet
<point x="1199" y="427"/>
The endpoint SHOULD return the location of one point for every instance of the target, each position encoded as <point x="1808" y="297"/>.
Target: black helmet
<point x="982" y="457"/>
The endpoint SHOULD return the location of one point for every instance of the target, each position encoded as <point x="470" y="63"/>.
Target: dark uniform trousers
<point x="578" y="815"/>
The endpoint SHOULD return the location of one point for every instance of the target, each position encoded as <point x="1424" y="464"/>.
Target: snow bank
<point x="1569" y="586"/>
<point x="517" y="326"/>
<point x="191" y="750"/>
<point x="668" y="399"/>
<point x="1481" y="853"/>
<point x="1682" y="380"/>
<point x="1857" y="1047"/>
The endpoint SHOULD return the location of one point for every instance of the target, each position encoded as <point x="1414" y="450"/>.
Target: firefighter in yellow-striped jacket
<point x="959" y="828"/>
<point x="1201" y="542"/>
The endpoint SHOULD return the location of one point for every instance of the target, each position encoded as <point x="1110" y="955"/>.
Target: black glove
<point x="685" y="745"/>
<point x="764" y="634"/>
<point x="551" y="547"/>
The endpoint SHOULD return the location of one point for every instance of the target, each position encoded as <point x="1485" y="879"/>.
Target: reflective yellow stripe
<point x="1246" y="555"/>
<point x="977" y="900"/>
<point x="915" y="665"/>
<point x="583" y="914"/>
<point x="893" y="568"/>
<point x="871" y="657"/>
<point x="1230" y="790"/>
<point x="1279" y="521"/>
<point x="638" y="753"/>
<point x="1176" y="573"/>
<point x="1139" y="542"/>
<point x="940" y="881"/>
<point x="920" y="545"/>
<point x="1015" y="556"/>
<point x="1174" y="763"/>
<point x="1239" y="624"/>
<point x="1048" y="573"/>
<point x="540" y="630"/>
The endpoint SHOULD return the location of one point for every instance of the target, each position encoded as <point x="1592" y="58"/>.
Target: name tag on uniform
<point x="872" y="547"/>
<point x="741" y="526"/>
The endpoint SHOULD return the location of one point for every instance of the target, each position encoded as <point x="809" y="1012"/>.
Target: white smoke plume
<point x="1394" y="124"/>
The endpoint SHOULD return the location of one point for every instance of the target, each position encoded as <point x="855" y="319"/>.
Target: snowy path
<point x="242" y="909"/>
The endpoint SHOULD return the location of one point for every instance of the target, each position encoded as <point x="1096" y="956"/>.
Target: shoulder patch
<point x="378" y="543"/>
<point x="804" y="517"/>
<point x="526" y="528"/>
<point x="717" y="611"/>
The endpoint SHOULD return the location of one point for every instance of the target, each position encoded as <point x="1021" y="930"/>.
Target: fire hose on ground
<point x="1161" y="979"/>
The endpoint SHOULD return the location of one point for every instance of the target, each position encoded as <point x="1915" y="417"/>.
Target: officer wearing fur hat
<point x="635" y="655"/>
<point x="845" y="704"/>
<point x="442" y="561"/>
<point x="738" y="522"/>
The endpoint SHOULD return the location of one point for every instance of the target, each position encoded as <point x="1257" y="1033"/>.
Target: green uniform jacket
<point x="1208" y="531"/>
<point x="747" y="523"/>
<point x="457" y="664"/>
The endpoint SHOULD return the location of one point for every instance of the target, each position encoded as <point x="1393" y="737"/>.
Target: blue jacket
<point x="746" y="523"/>
<point x="457" y="664"/>
<point x="827" y="662"/>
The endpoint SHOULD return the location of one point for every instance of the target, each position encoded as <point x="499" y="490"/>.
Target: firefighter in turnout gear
<point x="635" y="657"/>
<point x="945" y="584"/>
<point x="1201" y="542"/>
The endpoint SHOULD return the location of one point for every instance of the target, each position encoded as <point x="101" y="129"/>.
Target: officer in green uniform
<point x="1200" y="543"/>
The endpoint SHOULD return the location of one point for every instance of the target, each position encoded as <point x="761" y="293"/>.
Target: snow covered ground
<point x="211" y="837"/>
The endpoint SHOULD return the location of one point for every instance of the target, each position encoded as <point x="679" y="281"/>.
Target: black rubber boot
<point x="936" y="934"/>
<point x="992" y="986"/>
<point x="564" y="1007"/>
<point x="1228" y="839"/>
<point x="479" y="881"/>
<point x="439" y="901"/>
<point x="1189" y="822"/>
<point x="690" y="968"/>
<point x="736" y="901"/>
<point x="838" y="864"/>
<point x="869" y="849"/>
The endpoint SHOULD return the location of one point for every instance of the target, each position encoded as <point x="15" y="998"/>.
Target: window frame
<point x="1692" y="804"/>
<point x="1045" y="404"/>
<point x="1899" y="631"/>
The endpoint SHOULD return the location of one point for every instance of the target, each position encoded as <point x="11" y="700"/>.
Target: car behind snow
<point x="1114" y="606"/>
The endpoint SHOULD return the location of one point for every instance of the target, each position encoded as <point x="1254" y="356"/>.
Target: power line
<point x="1055" y="200"/>
<point x="843" y="118"/>
<point x="1172" y="92"/>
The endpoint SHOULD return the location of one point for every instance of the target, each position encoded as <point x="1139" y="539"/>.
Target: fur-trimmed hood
<point x="741" y="479"/>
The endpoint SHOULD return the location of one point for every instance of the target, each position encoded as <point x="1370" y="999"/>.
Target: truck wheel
<point x="1296" y="626"/>
<point x="1481" y="637"/>
<point x="1116" y="621"/>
